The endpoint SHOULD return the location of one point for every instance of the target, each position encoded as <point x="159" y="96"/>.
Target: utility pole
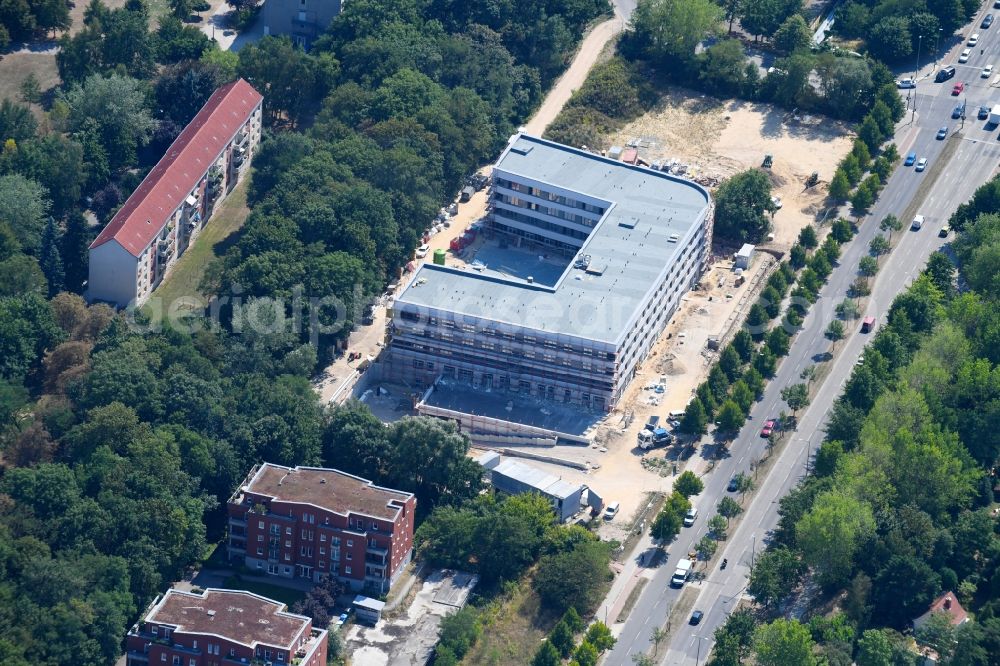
<point x="920" y="40"/>
<point x="937" y="38"/>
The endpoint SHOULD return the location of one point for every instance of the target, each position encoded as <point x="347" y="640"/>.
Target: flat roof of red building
<point x="234" y="615"/>
<point x="179" y="170"/>
<point x="329" y="489"/>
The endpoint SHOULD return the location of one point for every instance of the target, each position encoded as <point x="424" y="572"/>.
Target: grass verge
<point x="283" y="594"/>
<point x="633" y="597"/>
<point x="185" y="278"/>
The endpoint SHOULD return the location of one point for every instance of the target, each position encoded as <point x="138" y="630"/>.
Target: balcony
<point x="238" y="522"/>
<point x="134" y="655"/>
<point x="376" y="550"/>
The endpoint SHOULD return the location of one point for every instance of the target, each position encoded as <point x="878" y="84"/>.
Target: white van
<point x="690" y="517"/>
<point x="612" y="510"/>
<point x="676" y="415"/>
<point x="918" y="221"/>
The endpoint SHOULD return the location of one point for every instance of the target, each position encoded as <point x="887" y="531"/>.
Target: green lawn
<point x="278" y="593"/>
<point x="185" y="278"/>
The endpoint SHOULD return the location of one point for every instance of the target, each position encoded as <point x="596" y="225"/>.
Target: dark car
<point x="696" y="617"/>
<point x="987" y="21"/>
<point x="957" y="112"/>
<point x="942" y="133"/>
<point x="733" y="485"/>
<point x="984" y="111"/>
<point x="945" y="74"/>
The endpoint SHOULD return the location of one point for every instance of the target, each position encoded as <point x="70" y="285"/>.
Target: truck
<point x="655" y="438"/>
<point x="918" y="222"/>
<point x="994" y="116"/>
<point x="681" y="573"/>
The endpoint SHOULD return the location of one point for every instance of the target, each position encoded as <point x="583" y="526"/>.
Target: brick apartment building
<point x="223" y="628"/>
<point x="311" y="522"/>
<point x="164" y="215"/>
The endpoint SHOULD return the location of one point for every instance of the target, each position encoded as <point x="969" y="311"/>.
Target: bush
<point x="610" y="89"/>
<point x="460" y="631"/>
<point x="578" y="126"/>
<point x="574" y="578"/>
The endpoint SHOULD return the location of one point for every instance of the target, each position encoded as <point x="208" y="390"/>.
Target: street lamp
<point x="937" y="38"/>
<point x="920" y="40"/>
<point x="753" y="551"/>
<point x="697" y="658"/>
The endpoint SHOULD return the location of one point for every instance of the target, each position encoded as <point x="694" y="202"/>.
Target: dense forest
<point x="120" y="448"/>
<point x="900" y="505"/>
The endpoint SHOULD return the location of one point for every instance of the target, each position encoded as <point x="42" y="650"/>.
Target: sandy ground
<point x="717" y="139"/>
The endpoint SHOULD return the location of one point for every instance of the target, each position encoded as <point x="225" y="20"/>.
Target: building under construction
<point x="587" y="260"/>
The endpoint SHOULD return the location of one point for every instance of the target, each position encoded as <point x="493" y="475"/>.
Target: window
<point x="260" y="537"/>
<point x="288" y="531"/>
<point x="374" y="526"/>
<point x="260" y="551"/>
<point x="288" y="557"/>
<point x="350" y="543"/>
<point x="322" y="550"/>
<point x="304" y="535"/>
<point x="322" y="537"/>
<point x="349" y="555"/>
<point x="163" y="656"/>
<point x="194" y="645"/>
<point x="281" y="656"/>
<point x="321" y="565"/>
<point x="288" y="544"/>
<point x="260" y="524"/>
<point x="347" y="571"/>
<point x="192" y="662"/>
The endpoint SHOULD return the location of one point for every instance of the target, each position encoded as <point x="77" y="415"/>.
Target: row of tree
<point x="897" y="509"/>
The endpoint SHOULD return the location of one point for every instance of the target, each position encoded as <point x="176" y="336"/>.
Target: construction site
<point x="696" y="137"/>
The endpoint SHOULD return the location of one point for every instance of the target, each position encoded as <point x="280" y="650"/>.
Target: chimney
<point x="947" y="602"/>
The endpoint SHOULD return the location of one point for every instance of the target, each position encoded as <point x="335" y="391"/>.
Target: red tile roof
<point x="177" y="173"/>
<point x="946" y="603"/>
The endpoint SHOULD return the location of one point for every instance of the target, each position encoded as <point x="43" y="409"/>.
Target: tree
<point x="31" y="91"/>
<point x="863" y="197"/>
<point x="670" y="29"/>
<point x="288" y="78"/>
<point x="717" y="526"/>
<point x="870" y="133"/>
<point x="723" y="68"/>
<point x="848" y="309"/>
<point x="666" y="526"/>
<point x="729" y="508"/>
<point x="599" y="635"/>
<point x="24" y="206"/>
<point x="734" y="639"/>
<point x="74" y="250"/>
<point x="116" y="108"/>
<point x="562" y="638"/>
<point x="807" y="237"/>
<point x="793" y="34"/>
<point x="49" y="259"/>
<point x="731" y="417"/>
<point x="941" y="272"/>
<point x="546" y="655"/>
<point x="657" y="637"/>
<point x="586" y="654"/>
<point x="706" y="547"/>
<point x="890" y="39"/>
<point x="574" y="578"/>
<point x="878" y="246"/>
<point x="784" y="643"/>
<point x="938" y="632"/>
<point x="775" y="575"/>
<point x="778" y="342"/>
<point x="889" y="224"/>
<point x="744" y="484"/>
<point x="797" y="256"/>
<point x="742" y="396"/>
<point x="830" y="533"/>
<point x="834" y="333"/>
<point x="868" y="266"/>
<point x="695" y="421"/>
<point x="688" y="484"/>
<point x="742" y="204"/>
<point x="461" y="630"/>
<point x="876" y="648"/>
<point x="182" y="8"/>
<point x="52" y="15"/>
<point x="840" y="186"/>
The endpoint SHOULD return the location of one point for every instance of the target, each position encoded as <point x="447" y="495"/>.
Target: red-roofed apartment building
<point x="161" y="219"/>
<point x="223" y="628"/>
<point x="311" y="522"/>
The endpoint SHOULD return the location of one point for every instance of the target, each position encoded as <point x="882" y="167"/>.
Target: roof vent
<point x="322" y="480"/>
<point x="211" y="613"/>
<point x="521" y="150"/>
<point x="531" y="280"/>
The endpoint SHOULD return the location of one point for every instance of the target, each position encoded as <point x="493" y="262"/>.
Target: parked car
<point x="945" y="230"/>
<point x="769" y="427"/>
<point x="987" y="71"/>
<point x="945" y="74"/>
<point x="342" y="619"/>
<point x="921" y="164"/>
<point x="974" y="39"/>
<point x="696" y="617"/>
<point x="690" y="516"/>
<point x="957" y="111"/>
<point x="423" y="250"/>
<point x="612" y="510"/>
<point x="942" y="133"/>
<point x="733" y="485"/>
<point x="910" y="159"/>
<point x="777" y="202"/>
<point x="984" y="111"/>
<point x="958" y="88"/>
<point x="966" y="54"/>
<point x="987" y="21"/>
<point x="906" y="83"/>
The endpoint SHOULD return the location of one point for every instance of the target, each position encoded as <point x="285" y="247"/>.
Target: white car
<point x="921" y="164"/>
<point x="777" y="202"/>
<point x="611" y="511"/>
<point x="987" y="71"/>
<point x="974" y="39"/>
<point x="906" y="83"/>
<point x="966" y="54"/>
<point x="690" y="517"/>
<point x="423" y="250"/>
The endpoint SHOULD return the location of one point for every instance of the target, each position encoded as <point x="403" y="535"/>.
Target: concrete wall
<point x="112" y="274"/>
<point x="302" y="20"/>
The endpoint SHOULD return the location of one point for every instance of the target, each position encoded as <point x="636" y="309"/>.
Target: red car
<point x="769" y="427"/>
<point x="957" y="90"/>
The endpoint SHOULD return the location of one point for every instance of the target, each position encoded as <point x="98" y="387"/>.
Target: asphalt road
<point x="956" y="167"/>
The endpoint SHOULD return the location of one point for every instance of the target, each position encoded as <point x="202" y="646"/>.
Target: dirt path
<point x="573" y="78"/>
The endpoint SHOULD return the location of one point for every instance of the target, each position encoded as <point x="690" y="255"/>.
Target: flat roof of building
<point x="630" y="247"/>
<point x="235" y="615"/>
<point x="542" y="481"/>
<point x="179" y="170"/>
<point x="328" y="489"/>
<point x="362" y="601"/>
